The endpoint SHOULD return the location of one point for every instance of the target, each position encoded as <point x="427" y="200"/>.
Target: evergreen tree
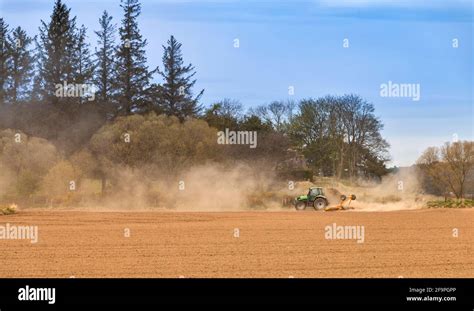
<point x="84" y="66"/>
<point x="37" y="92"/>
<point x="4" y="58"/>
<point x="175" y="94"/>
<point x="132" y="75"/>
<point x="104" y="74"/>
<point x="56" y="50"/>
<point x="21" y="65"/>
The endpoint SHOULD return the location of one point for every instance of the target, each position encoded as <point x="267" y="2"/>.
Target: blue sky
<point x="300" y="44"/>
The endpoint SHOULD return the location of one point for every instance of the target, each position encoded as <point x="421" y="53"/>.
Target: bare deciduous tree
<point x="449" y="166"/>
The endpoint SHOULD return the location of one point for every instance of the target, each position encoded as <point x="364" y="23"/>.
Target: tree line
<point x="337" y="135"/>
<point x="448" y="170"/>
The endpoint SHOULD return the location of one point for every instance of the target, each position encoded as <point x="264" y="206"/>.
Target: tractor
<point x="318" y="200"/>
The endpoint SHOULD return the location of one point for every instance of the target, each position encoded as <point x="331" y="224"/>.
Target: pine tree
<point x="84" y="66"/>
<point x="57" y="50"/>
<point x="37" y="92"/>
<point x="132" y="74"/>
<point x="175" y="94"/>
<point x="4" y="58"/>
<point x="104" y="74"/>
<point x="20" y="67"/>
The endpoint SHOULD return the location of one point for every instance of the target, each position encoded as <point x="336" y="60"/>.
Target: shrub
<point x="8" y="210"/>
<point x="26" y="160"/>
<point x="57" y="181"/>
<point x="450" y="203"/>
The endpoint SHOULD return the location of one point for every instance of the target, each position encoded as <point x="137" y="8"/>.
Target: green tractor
<point x="318" y="200"/>
<point x="315" y="198"/>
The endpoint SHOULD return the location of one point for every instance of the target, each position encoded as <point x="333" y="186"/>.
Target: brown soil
<point x="417" y="243"/>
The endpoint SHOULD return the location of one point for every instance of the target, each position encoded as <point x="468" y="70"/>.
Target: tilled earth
<point x="418" y="243"/>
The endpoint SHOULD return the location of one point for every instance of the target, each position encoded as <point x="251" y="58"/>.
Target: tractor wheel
<point x="319" y="204"/>
<point x="300" y="206"/>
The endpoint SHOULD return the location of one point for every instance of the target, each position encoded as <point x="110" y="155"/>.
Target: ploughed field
<point x="416" y="243"/>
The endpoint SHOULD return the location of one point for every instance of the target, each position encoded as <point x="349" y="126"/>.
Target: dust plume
<point x="397" y="191"/>
<point x="210" y="187"/>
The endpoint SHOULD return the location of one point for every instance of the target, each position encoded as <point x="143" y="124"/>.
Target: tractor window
<point x="315" y="192"/>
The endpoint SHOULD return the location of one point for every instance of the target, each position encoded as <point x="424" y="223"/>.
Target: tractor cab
<point x="315" y="192"/>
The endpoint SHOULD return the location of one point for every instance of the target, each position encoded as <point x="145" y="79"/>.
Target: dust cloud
<point x="237" y="187"/>
<point x="210" y="188"/>
<point x="397" y="191"/>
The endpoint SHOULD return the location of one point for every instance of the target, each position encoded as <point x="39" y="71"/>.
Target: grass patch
<point x="451" y="204"/>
